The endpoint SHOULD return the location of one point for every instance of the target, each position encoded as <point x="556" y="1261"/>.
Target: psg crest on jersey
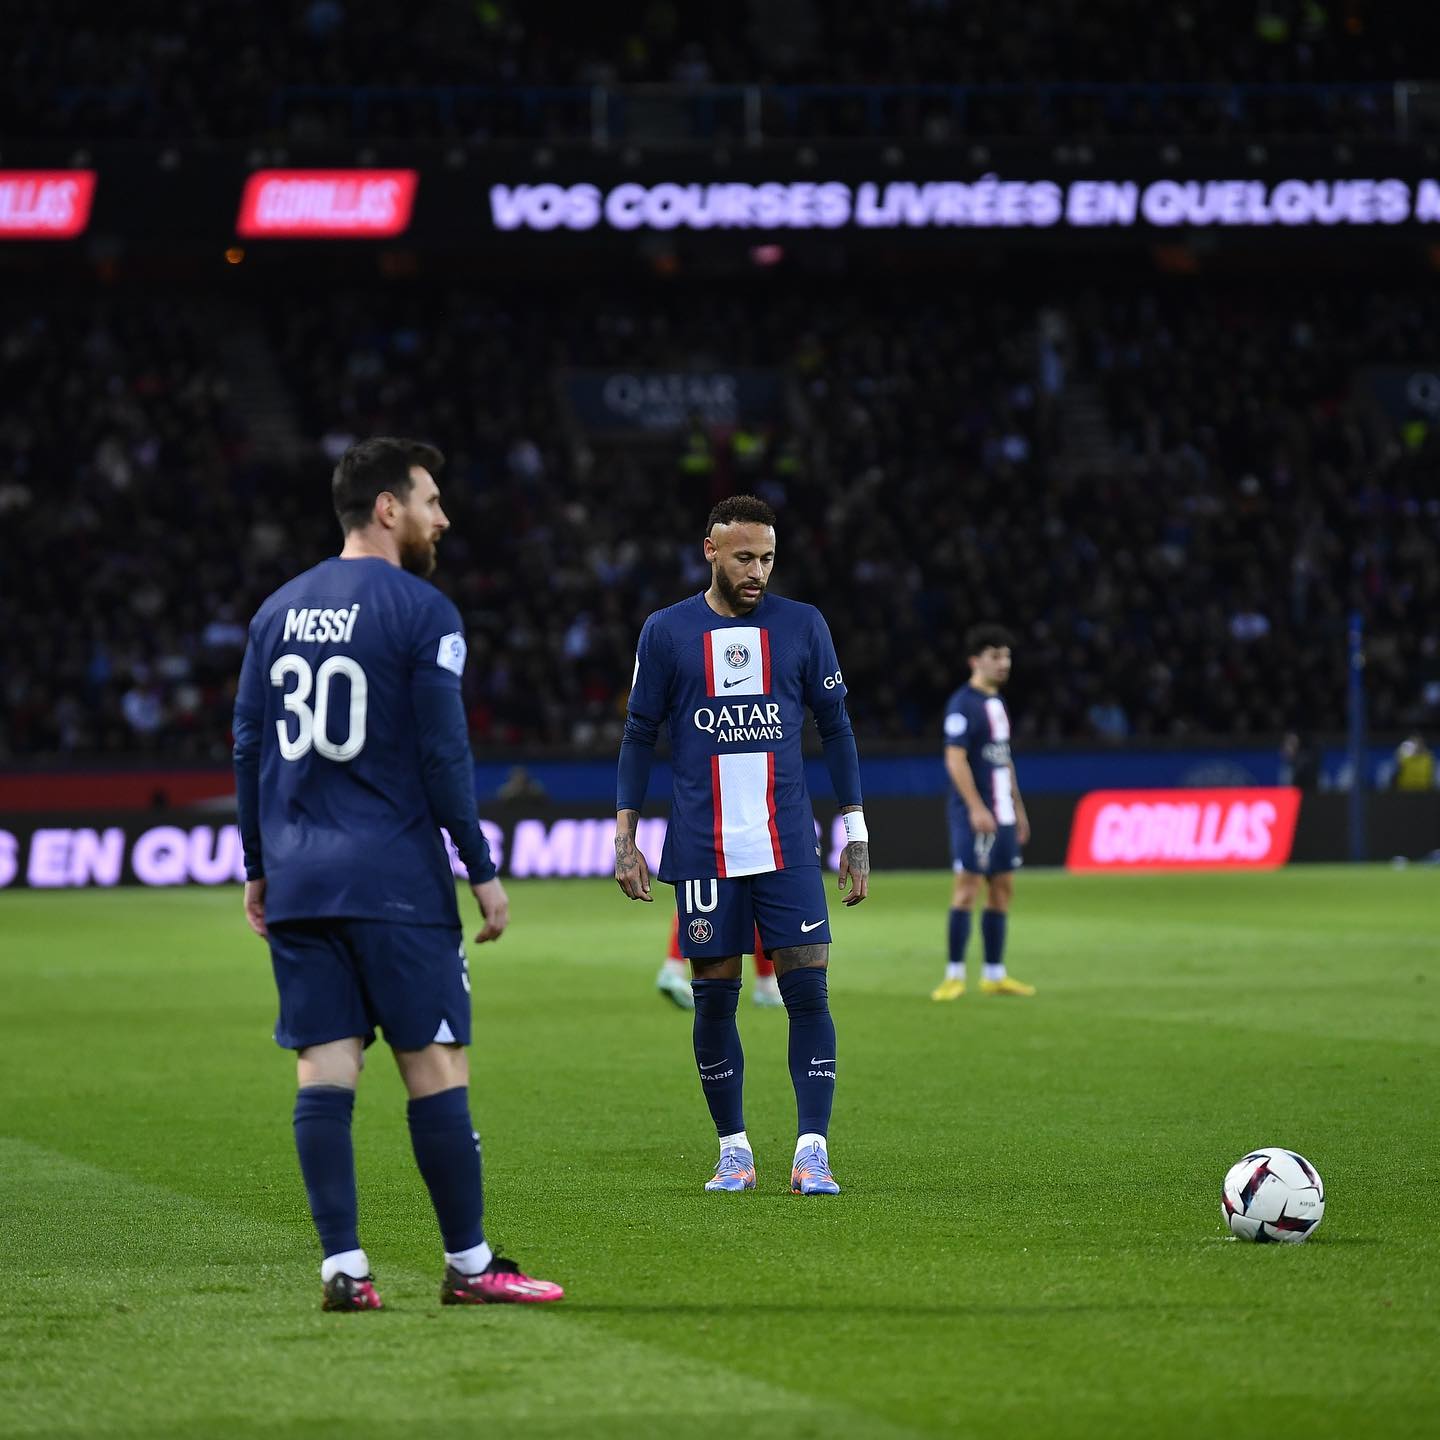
<point x="701" y="931"/>
<point x="737" y="656"/>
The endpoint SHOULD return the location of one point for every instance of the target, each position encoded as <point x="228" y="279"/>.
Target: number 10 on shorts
<point x="699" y="900"/>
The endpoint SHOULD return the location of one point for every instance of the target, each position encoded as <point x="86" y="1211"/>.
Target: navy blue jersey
<point x="733" y="691"/>
<point x="979" y="724"/>
<point x="344" y="671"/>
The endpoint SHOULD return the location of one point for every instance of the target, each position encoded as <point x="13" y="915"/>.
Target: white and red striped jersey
<point x="733" y="693"/>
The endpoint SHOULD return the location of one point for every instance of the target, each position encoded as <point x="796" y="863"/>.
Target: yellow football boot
<point x="948" y="990"/>
<point x="1008" y="986"/>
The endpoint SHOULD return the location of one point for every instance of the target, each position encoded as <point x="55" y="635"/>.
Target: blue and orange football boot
<point x="736" y="1170"/>
<point x="811" y="1173"/>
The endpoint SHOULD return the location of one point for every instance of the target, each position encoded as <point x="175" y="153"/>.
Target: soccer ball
<point x="1272" y="1194"/>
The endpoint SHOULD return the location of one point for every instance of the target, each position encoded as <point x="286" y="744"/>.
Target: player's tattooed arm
<point x="855" y="867"/>
<point x="632" y="874"/>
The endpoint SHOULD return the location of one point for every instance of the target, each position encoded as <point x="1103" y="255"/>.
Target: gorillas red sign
<point x="1250" y="829"/>
<point x="321" y="204"/>
<point x="45" y="204"/>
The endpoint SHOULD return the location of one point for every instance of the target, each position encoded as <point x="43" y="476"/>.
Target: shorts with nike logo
<point x="720" y="917"/>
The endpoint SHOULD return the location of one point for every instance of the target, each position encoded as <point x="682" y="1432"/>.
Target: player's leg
<point x="963" y="895"/>
<point x="324" y="1020"/>
<point x="994" y="923"/>
<point x="795" y="926"/>
<point x="673" y="981"/>
<point x="716" y="921"/>
<point x="420" y="991"/>
<point x="969" y="855"/>
<point x="767" y="988"/>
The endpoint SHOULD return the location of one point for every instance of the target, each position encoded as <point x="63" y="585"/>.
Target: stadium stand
<point x="1174" y="503"/>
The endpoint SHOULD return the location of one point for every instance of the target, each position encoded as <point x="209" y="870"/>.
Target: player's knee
<point x="800" y="957"/>
<point x="337" y="1062"/>
<point x="726" y="967"/>
<point x="1002" y="888"/>
<point x="433" y="1069"/>
<point x="966" y="889"/>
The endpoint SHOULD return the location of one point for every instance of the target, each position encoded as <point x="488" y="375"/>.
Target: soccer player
<point x="730" y="672"/>
<point x="988" y="824"/>
<point x="673" y="981"/>
<point x="351" y="751"/>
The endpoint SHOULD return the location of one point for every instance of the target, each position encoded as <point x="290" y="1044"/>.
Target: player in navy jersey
<point x="731" y="672"/>
<point x="988" y="824"/>
<point x="351" y="751"/>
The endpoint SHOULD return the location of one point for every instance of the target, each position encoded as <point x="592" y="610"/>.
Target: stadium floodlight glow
<point x="45" y="204"/>
<point x="327" y="204"/>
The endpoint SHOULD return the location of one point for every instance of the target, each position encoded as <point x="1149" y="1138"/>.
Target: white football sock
<point x="350" y="1262"/>
<point x="955" y="970"/>
<point x="738" y="1141"/>
<point x="677" y="968"/>
<point x="471" y="1261"/>
<point x="994" y="972"/>
<point x="806" y="1141"/>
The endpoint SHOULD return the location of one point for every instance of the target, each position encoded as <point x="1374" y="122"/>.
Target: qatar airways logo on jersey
<point x="1184" y="829"/>
<point x="738" y="723"/>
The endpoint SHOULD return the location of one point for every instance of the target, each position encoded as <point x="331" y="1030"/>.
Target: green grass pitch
<point x="1029" y="1242"/>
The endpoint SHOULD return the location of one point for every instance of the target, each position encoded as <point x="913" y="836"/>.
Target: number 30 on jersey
<point x="312" y="726"/>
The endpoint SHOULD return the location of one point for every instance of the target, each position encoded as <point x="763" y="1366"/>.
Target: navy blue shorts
<point x="339" y="978"/>
<point x="720" y="917"/>
<point x="996" y="854"/>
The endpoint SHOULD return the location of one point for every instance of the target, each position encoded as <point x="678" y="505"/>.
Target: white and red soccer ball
<point x="1273" y="1194"/>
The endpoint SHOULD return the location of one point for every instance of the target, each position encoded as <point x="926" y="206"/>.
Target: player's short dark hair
<point x="371" y="467"/>
<point x="741" y="510"/>
<point x="987" y="636"/>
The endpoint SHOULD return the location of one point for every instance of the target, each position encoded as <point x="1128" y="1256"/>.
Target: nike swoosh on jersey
<point x="805" y="929"/>
<point x="731" y="684"/>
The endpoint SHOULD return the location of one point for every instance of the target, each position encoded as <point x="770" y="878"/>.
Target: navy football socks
<point x="717" y="1052"/>
<point x="992" y="930"/>
<point x="447" y="1150"/>
<point x="327" y="1161"/>
<point x="959" y="940"/>
<point x="812" y="1046"/>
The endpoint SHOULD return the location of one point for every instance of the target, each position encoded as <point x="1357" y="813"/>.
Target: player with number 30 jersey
<point x="351" y="753"/>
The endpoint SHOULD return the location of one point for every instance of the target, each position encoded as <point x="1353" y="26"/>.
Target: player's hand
<point x="982" y="822"/>
<point x="255" y="907"/>
<point x="855" y="868"/>
<point x="494" y="907"/>
<point x="632" y="874"/>
<point x="1022" y="828"/>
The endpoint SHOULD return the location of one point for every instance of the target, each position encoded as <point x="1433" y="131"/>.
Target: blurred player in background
<point x="988" y="823"/>
<point x="351" y="751"/>
<point x="730" y="672"/>
<point x="673" y="981"/>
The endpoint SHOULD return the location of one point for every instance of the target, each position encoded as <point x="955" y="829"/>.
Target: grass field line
<point x="147" y="1322"/>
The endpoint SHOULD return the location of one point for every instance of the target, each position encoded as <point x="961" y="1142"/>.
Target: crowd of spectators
<point x="1189" y="571"/>
<point x="335" y="70"/>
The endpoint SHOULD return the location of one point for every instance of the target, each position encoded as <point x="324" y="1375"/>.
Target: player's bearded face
<point x="417" y="549"/>
<point x="743" y="558"/>
<point x="421" y="524"/>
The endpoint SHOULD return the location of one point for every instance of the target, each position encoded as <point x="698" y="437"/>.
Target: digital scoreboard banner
<point x="984" y="202"/>
<point x="503" y="198"/>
